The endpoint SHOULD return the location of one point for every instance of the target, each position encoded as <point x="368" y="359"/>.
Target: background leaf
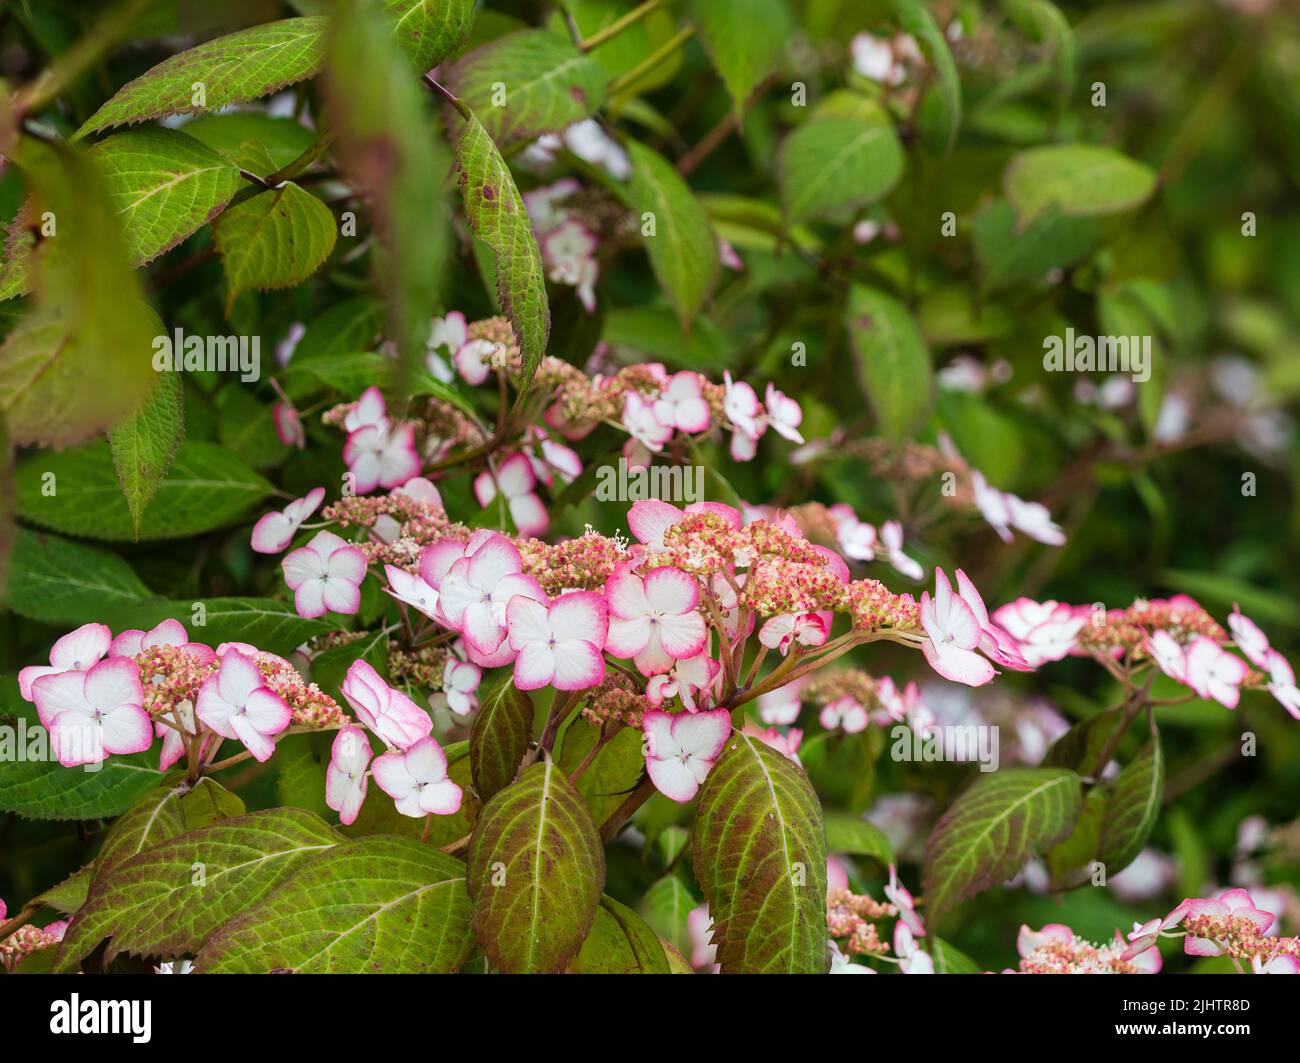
<point x="892" y="361"/>
<point x="62" y="582"/>
<point x="144" y="444"/>
<point x="499" y="736"/>
<point x="1081" y="179"/>
<point x="745" y="40"/>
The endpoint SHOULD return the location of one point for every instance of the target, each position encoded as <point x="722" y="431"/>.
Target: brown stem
<point x="638" y="797"/>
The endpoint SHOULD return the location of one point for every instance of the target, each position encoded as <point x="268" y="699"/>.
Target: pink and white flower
<point x="784" y="414"/>
<point x="288" y="425"/>
<point x="891" y="537"/>
<point x="275" y="530"/>
<point x="474" y="360"/>
<point x="460" y="683"/>
<point x="681" y="749"/>
<point x="412" y="590"/>
<point x="325" y="576"/>
<point x="898" y="895"/>
<point x="1282" y="684"/>
<point x="1249" y="638"/>
<point x="516" y="480"/>
<point x="1045" y="631"/>
<point x="654" y="619"/>
<point x="168" y="632"/>
<point x="1214" y="673"/>
<point x="558" y="645"/>
<point x="690" y="679"/>
<point x="381" y="455"/>
<point x="369" y="409"/>
<point x="957" y="625"/>
<point x="845" y="714"/>
<point x="477" y="588"/>
<point x="641" y="423"/>
<point x="346" y="777"/>
<point x="77" y="651"/>
<point x="681" y="404"/>
<point x="237" y="703"/>
<point x="389" y="713"/>
<point x="1168" y="655"/>
<point x="790" y="629"/>
<point x="93" y="712"/>
<point x="911" y="959"/>
<point x="416" y="779"/>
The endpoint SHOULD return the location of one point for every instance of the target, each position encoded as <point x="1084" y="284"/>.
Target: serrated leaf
<point x="168" y="900"/>
<point x="144" y="445"/>
<point x="892" y="361"/>
<point x="500" y="736"/>
<point x="1132" y="807"/>
<point x="164" y="813"/>
<point x="276" y="239"/>
<point x="268" y="623"/>
<point x="666" y="905"/>
<point x="536" y="870"/>
<point x="759" y="853"/>
<point x="205" y="488"/>
<point x="164" y="185"/>
<point x="70" y="894"/>
<point x="837" y="164"/>
<point x="548" y="85"/>
<point x="79" y="359"/>
<point x="429" y="30"/>
<point x="940" y="124"/>
<point x="377" y="905"/>
<point x="389" y="146"/>
<point x="620" y="942"/>
<point x="47" y="790"/>
<point x="1083" y="180"/>
<point x="62" y="582"/>
<point x="994" y="828"/>
<point x="684" y="249"/>
<point x="745" y="41"/>
<point x="232" y="69"/>
<point x="496" y="214"/>
<point x="857" y="837"/>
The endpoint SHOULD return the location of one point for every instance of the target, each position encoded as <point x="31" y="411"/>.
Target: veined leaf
<point x="1085" y="180"/>
<point x="620" y="943"/>
<point x="70" y="894"/>
<point x="162" y="814"/>
<point x="892" y="360"/>
<point x="759" y="853"/>
<point x="994" y="828"/>
<point x="240" y="66"/>
<point x="615" y="770"/>
<point x="941" y="121"/>
<point x="389" y="146"/>
<point x="276" y="239"/>
<point x="78" y="361"/>
<point x="269" y="623"/>
<point x="1132" y="807"/>
<point x="666" y="905"/>
<point x="205" y="488"/>
<point x="47" y="790"/>
<point x="144" y="445"/>
<point x="536" y="870"/>
<point x="838" y="163"/>
<point x="429" y="30"/>
<point x="378" y="905"/>
<point x="62" y="582"/>
<point x="949" y="960"/>
<point x="682" y="246"/>
<point x="745" y="40"/>
<point x="499" y="737"/>
<point x="169" y="899"/>
<point x="622" y="53"/>
<point x="496" y="214"/>
<point x="857" y="837"/>
<point x="548" y="85"/>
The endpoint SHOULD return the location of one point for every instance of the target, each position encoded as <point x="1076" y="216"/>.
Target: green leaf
<point x="857" y="837"/>
<point x="500" y="736"/>
<point x="548" y="85"/>
<point x="497" y="216"/>
<point x="276" y="239"/>
<point x="683" y="249"/>
<point x="616" y="769"/>
<point x="144" y="445"/>
<point x="379" y="905"/>
<point x="536" y="869"/>
<point x="429" y="30"/>
<point x="205" y="488"/>
<point x="939" y="121"/>
<point x="390" y="148"/>
<point x="949" y="960"/>
<point x="269" y="623"/>
<point x="620" y="943"/>
<point x="70" y="894"/>
<point x="1008" y="258"/>
<point x="170" y="810"/>
<point x="232" y="69"/>
<point x="666" y="905"/>
<point x="164" y="185"/>
<point x="994" y="828"/>
<point x="169" y="899"/>
<point x="1083" y="180"/>
<point x="759" y="853"/>
<point x="892" y="360"/>
<point x="47" y="790"/>
<point x="838" y="164"/>
<point x="624" y="52"/>
<point x="61" y="582"/>
<point x="745" y="40"/>
<point x="1132" y="807"/>
<point x="381" y="817"/>
<point x="283" y="139"/>
<point x="79" y="359"/>
<point x="1047" y="22"/>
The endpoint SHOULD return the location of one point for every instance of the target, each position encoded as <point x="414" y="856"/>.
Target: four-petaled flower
<point x="237" y="703"/>
<point x="515" y="479"/>
<point x="681" y="749"/>
<point x="681" y="405"/>
<point x="93" y="712"/>
<point x="416" y="779"/>
<point x="346" y="778"/>
<point x="654" y="620"/>
<point x="275" y="530"/>
<point x="558" y="645"/>
<point x="325" y="576"/>
<point x="477" y="587"/>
